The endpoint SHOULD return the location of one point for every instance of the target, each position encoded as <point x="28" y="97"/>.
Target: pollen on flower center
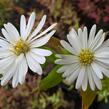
<point x="86" y="57"/>
<point x="21" y="47"/>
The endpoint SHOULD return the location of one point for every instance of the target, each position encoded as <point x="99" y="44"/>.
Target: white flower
<point x="18" y="51"/>
<point x="88" y="60"/>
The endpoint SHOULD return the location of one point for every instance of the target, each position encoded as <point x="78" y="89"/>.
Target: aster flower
<point x="18" y="51"/>
<point x="88" y="58"/>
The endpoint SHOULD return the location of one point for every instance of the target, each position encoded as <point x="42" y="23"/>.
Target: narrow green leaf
<point x="87" y="98"/>
<point x="51" y="80"/>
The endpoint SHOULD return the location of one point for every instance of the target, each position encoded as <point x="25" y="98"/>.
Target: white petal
<point x="43" y="40"/>
<point x="73" y="76"/>
<point x="96" y="39"/>
<point x="84" y="37"/>
<point x="67" y="46"/>
<point x="90" y="78"/>
<point x="5" y="53"/>
<point x="8" y="75"/>
<point x="97" y="81"/>
<point x="45" y="32"/>
<point x="7" y="36"/>
<point x="80" y="34"/>
<point x="73" y="40"/>
<point x="80" y="78"/>
<point x="4" y="44"/>
<point x="67" y="60"/>
<point x="106" y="43"/>
<point x="13" y="31"/>
<point x="41" y="52"/>
<point x="106" y="72"/>
<point x="85" y="81"/>
<point x="102" y="54"/>
<point x="6" y="62"/>
<point x="70" y="70"/>
<point x="15" y="78"/>
<point x="23" y="68"/>
<point x="23" y="27"/>
<point x="97" y="70"/>
<point x="10" y="33"/>
<point x="39" y="27"/>
<point x="33" y="65"/>
<point x="101" y="50"/>
<point x="104" y="68"/>
<point x="30" y="23"/>
<point x="63" y="69"/>
<point x="103" y="60"/>
<point x="92" y="34"/>
<point x="39" y="59"/>
<point x="100" y="42"/>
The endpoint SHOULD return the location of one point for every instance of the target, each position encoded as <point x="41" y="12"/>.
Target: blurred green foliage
<point x="45" y="100"/>
<point x="6" y="7"/>
<point x="104" y="93"/>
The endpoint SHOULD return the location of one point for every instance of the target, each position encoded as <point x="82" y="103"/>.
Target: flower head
<point x="21" y="50"/>
<point x="88" y="58"/>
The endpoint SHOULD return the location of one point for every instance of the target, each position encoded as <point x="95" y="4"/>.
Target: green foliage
<point x="51" y="80"/>
<point x="5" y="11"/>
<point x="104" y="93"/>
<point x="44" y="100"/>
<point x="57" y="8"/>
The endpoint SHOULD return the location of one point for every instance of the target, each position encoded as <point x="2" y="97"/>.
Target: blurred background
<point x="68" y="14"/>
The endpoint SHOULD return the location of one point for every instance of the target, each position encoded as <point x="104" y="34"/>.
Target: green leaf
<point x="87" y="98"/>
<point x="51" y="80"/>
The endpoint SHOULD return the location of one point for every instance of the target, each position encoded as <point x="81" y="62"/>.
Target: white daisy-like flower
<point x="88" y="60"/>
<point x="18" y="51"/>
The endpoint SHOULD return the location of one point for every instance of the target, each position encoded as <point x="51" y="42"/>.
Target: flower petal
<point x="90" y="78"/>
<point x="73" y="40"/>
<point x="13" y="31"/>
<point x="39" y="59"/>
<point x="23" y="68"/>
<point x="84" y="37"/>
<point x="41" y="52"/>
<point x="6" y="62"/>
<point x="45" y="32"/>
<point x="92" y="34"/>
<point x="23" y="27"/>
<point x="33" y="64"/>
<point x="7" y="36"/>
<point x="96" y="39"/>
<point x="43" y="40"/>
<point x="73" y="76"/>
<point x="39" y="27"/>
<point x="8" y="75"/>
<point x="10" y="33"/>
<point x="70" y="70"/>
<point x="85" y="81"/>
<point x="97" y="70"/>
<point x="63" y="69"/>
<point x="4" y="44"/>
<point x="30" y="24"/>
<point x="97" y="81"/>
<point x="15" y="78"/>
<point x="80" y="78"/>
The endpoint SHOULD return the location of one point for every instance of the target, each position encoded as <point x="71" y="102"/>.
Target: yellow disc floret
<point x="21" y="47"/>
<point x="86" y="57"/>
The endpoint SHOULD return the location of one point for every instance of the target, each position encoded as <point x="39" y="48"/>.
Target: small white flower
<point x="88" y="60"/>
<point x="18" y="51"/>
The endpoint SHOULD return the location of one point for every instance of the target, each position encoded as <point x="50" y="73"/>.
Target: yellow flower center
<point x="86" y="57"/>
<point x="21" y="47"/>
